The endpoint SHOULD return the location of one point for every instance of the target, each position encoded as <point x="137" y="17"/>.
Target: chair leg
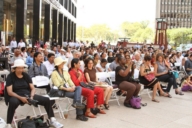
<point x="15" y="123"/>
<point x="33" y="110"/>
<point x="148" y="92"/>
<point x="117" y="98"/>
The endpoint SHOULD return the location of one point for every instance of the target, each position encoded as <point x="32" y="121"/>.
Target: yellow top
<point x="58" y="80"/>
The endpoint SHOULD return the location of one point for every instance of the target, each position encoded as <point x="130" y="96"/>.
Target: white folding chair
<point x="102" y="76"/>
<point x="15" y="117"/>
<point x="57" y="101"/>
<point x="183" y="67"/>
<point x="148" y="91"/>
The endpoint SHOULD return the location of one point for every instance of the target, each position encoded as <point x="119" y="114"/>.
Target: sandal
<point x="102" y="111"/>
<point x="154" y="100"/>
<point x="165" y="94"/>
<point x="90" y="115"/>
<point x="179" y="93"/>
<point x="106" y="106"/>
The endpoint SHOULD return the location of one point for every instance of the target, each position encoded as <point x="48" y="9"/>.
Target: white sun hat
<point x="58" y="61"/>
<point x="19" y="63"/>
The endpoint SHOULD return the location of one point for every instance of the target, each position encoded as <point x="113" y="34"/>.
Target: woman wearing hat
<point x="62" y="80"/>
<point x="18" y="85"/>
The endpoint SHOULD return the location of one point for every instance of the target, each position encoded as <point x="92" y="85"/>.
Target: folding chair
<point x="15" y="119"/>
<point x="148" y="91"/>
<point x="57" y="101"/>
<point x="183" y="67"/>
<point x="102" y="76"/>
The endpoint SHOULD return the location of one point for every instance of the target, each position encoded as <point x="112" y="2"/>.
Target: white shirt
<point x="138" y="64"/>
<point x="50" y="67"/>
<point x="13" y="44"/>
<point x="65" y="44"/>
<point x="179" y="60"/>
<point x="21" y="44"/>
<point x="62" y="56"/>
<point x="102" y="69"/>
<point x="71" y="44"/>
<point x="77" y="44"/>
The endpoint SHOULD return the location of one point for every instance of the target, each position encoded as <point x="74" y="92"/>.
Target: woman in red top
<point x="77" y="76"/>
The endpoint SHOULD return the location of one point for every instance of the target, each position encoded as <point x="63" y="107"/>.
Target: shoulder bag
<point x="88" y="86"/>
<point x="150" y="77"/>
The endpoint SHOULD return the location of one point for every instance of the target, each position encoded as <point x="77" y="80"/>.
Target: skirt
<point x="148" y="84"/>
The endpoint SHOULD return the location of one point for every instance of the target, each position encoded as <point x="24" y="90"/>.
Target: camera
<point x="32" y="102"/>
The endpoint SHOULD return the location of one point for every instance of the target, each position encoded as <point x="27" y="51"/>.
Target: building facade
<point x="38" y="20"/>
<point x="178" y="13"/>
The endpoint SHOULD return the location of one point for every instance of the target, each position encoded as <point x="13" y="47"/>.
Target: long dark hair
<point x="73" y="62"/>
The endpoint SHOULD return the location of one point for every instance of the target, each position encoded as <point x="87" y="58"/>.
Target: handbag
<point x="27" y="123"/>
<point x="135" y="102"/>
<point x="56" y="93"/>
<point x="150" y="77"/>
<point x="88" y="86"/>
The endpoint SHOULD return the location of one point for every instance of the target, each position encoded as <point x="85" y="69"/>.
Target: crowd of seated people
<point x="70" y="66"/>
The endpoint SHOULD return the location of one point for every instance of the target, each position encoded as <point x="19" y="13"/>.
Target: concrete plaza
<point x="169" y="113"/>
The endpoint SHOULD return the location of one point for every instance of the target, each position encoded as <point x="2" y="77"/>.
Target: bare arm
<point x="99" y="69"/>
<point x="32" y="90"/>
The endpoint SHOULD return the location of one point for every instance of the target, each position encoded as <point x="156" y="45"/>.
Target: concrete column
<point x="47" y="22"/>
<point x="60" y="30"/>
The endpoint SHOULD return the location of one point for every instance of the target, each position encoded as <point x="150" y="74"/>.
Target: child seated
<point x="186" y="84"/>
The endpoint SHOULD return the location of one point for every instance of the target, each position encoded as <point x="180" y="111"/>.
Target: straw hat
<point x="19" y="63"/>
<point x="58" y="61"/>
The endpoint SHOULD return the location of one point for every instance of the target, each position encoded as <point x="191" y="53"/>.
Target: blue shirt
<point x="29" y="60"/>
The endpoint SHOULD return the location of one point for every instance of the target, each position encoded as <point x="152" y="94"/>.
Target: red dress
<point x="89" y="94"/>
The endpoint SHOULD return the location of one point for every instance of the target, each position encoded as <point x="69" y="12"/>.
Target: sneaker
<point x="54" y="123"/>
<point x="78" y="105"/>
<point x="8" y="126"/>
<point x="82" y="118"/>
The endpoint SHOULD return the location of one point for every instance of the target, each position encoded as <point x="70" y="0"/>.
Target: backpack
<point x="36" y="122"/>
<point x="135" y="102"/>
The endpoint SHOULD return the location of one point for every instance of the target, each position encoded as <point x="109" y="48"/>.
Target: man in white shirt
<point x="71" y="44"/>
<point x="49" y="64"/>
<point x="62" y="54"/>
<point x="17" y="55"/>
<point x="21" y="44"/>
<point x="137" y="60"/>
<point x="13" y="44"/>
<point x="64" y="44"/>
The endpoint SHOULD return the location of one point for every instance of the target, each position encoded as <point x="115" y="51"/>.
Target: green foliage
<point x="179" y="35"/>
<point x="137" y="31"/>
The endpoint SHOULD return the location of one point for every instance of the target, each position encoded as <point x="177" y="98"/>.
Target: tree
<point x="179" y="35"/>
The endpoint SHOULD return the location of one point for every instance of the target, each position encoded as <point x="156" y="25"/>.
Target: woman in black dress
<point x="153" y="84"/>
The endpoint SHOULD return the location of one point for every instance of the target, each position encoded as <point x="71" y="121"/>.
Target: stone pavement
<point x="169" y="113"/>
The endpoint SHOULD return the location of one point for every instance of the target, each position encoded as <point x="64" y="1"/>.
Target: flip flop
<point x="155" y="101"/>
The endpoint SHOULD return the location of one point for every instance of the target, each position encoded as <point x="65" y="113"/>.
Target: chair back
<point x="184" y="70"/>
<point x="112" y="75"/>
<point x="107" y="65"/>
<point x="102" y="76"/>
<point x="136" y="74"/>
